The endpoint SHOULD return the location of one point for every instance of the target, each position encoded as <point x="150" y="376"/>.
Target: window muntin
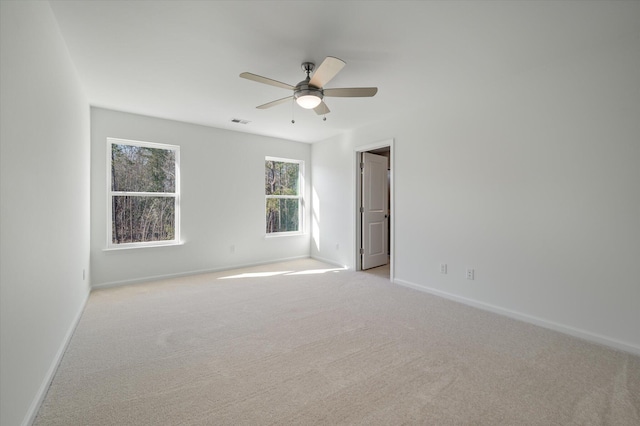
<point x="143" y="194"/>
<point x="283" y="195"/>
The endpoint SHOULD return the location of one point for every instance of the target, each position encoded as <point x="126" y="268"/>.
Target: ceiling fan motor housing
<point x="305" y="89"/>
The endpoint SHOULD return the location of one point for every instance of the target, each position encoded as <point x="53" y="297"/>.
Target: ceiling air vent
<point x="238" y="120"/>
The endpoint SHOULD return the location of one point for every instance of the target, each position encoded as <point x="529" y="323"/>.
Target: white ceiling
<point x="180" y="60"/>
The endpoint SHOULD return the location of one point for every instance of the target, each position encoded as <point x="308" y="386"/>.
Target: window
<point x="143" y="194"/>
<point x="283" y="195"/>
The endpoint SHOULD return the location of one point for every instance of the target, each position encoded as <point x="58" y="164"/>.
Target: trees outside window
<point x="143" y="191"/>
<point x="283" y="195"/>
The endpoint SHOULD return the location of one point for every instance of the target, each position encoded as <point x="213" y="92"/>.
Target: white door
<point x="374" y="210"/>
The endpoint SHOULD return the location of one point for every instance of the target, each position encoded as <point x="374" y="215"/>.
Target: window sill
<point x="284" y="234"/>
<point x="146" y="246"/>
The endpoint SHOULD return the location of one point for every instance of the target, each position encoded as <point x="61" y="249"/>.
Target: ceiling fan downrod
<point x="308" y="67"/>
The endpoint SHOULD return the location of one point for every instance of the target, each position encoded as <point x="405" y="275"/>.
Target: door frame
<point x="357" y="195"/>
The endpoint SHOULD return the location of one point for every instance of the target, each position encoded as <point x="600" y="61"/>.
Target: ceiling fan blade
<point x="265" y="80"/>
<point x="326" y="71"/>
<point x="274" y="103"/>
<point x="351" y="92"/>
<point x="322" y="109"/>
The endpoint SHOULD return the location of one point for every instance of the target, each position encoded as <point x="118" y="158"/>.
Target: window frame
<point x="299" y="197"/>
<point x="110" y="194"/>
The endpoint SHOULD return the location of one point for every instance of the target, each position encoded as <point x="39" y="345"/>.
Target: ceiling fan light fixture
<point x="308" y="101"/>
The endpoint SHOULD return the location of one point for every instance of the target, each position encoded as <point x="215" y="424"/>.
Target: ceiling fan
<point x="310" y="92"/>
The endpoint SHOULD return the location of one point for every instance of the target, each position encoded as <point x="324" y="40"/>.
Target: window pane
<point x="137" y="219"/>
<point x="282" y="215"/>
<point x="142" y="169"/>
<point x="281" y="178"/>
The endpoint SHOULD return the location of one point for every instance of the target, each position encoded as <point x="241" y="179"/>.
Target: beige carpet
<point x="303" y="343"/>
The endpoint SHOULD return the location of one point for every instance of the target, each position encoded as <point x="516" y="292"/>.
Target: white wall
<point x="45" y="153"/>
<point x="333" y="180"/>
<point x="222" y="199"/>
<point x="534" y="182"/>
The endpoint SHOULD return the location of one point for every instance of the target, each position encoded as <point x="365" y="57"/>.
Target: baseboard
<point x="44" y="387"/>
<point x="195" y="272"/>
<point x="329" y="261"/>
<point x="575" y="332"/>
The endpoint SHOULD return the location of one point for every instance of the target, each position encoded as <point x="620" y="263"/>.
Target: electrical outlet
<point x="470" y="274"/>
<point x="443" y="268"/>
<point x="232" y="248"/>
